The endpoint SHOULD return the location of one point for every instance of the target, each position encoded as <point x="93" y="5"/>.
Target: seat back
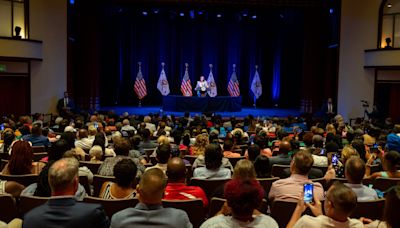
<point x="208" y="186"/>
<point x="322" y="181"/>
<point x="148" y="152"/>
<point x="112" y="206"/>
<point x="369" y="209"/>
<point x="39" y="155"/>
<point x="190" y="158"/>
<point x="266" y="183"/>
<point x="27" y="203"/>
<point x="93" y="167"/>
<point x="84" y="181"/>
<point x="8" y="208"/>
<point x="233" y="161"/>
<point x="25" y="180"/>
<point x="375" y="168"/>
<point x="38" y="149"/>
<point x="98" y="182"/>
<point x="277" y="170"/>
<point x="282" y="211"/>
<point x="323" y="169"/>
<point x="216" y="204"/>
<point x="193" y="207"/>
<point x="3" y="163"/>
<point x="384" y="184"/>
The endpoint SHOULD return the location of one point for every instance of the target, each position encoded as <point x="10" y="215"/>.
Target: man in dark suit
<point x="65" y="105"/>
<point x="62" y="210"/>
<point x="328" y="110"/>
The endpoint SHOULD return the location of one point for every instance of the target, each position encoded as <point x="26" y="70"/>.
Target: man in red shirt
<point x="176" y="188"/>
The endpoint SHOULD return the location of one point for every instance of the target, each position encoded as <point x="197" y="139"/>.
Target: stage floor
<point x="256" y="112"/>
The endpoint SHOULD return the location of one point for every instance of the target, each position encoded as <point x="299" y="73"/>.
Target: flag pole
<point x="140" y="69"/>
<point x="254" y="97"/>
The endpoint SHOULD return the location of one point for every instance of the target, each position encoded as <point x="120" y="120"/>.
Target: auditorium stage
<point x="261" y="112"/>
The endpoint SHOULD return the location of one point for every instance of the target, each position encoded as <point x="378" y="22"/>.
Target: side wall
<point x="358" y="32"/>
<point x="48" y="22"/>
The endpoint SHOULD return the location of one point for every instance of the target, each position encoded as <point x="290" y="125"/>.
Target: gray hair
<point x="62" y="173"/>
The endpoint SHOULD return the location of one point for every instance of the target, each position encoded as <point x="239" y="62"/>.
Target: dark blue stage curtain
<point x="202" y="104"/>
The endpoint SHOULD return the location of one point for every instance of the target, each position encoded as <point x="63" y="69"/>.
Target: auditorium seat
<point x="190" y="158"/>
<point x="3" y="163"/>
<point x="92" y="166"/>
<point x="375" y="168"/>
<point x="266" y="183"/>
<point x="27" y="203"/>
<point x="384" y="184"/>
<point x="323" y="169"/>
<point x="277" y="170"/>
<point x="39" y="156"/>
<point x="233" y="161"/>
<point x="216" y="204"/>
<point x="208" y="186"/>
<point x="148" y="152"/>
<point x="369" y="209"/>
<point x="321" y="180"/>
<point x="282" y="211"/>
<point x="25" y="180"/>
<point x="112" y="206"/>
<point x="8" y="208"/>
<point x="84" y="181"/>
<point x="193" y="207"/>
<point x="98" y="182"/>
<point x="39" y="149"/>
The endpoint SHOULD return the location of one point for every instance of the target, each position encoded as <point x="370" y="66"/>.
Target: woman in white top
<point x="213" y="160"/>
<point x="202" y="87"/>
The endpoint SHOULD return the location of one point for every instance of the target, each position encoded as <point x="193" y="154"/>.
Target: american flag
<point x="233" y="85"/>
<point x="186" y="86"/>
<point x="140" y="84"/>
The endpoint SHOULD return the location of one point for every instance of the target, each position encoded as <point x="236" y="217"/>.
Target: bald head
<point x="285" y="147"/>
<point x="63" y="176"/>
<point x="151" y="187"/>
<point x="176" y="170"/>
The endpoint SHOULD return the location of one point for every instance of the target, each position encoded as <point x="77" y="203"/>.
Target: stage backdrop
<point x="107" y="41"/>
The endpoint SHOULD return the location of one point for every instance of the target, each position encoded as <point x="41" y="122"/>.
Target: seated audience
<point x="290" y="189"/>
<point x="146" y="142"/>
<point x="228" y="146"/>
<point x="354" y="172"/>
<point x="121" y="148"/>
<point x="96" y="153"/>
<point x="243" y="198"/>
<point x="283" y="157"/>
<point x="8" y="137"/>
<point x="339" y="203"/>
<point x="347" y="152"/>
<point x="134" y="152"/>
<point x="36" y="137"/>
<point x="149" y="212"/>
<point x="163" y="155"/>
<point x="21" y="160"/>
<point x="83" y="170"/>
<point x="213" y="162"/>
<point x="176" y="188"/>
<point x="199" y="147"/>
<point x="124" y="186"/>
<point x="62" y="210"/>
<point x="126" y="126"/>
<point x="260" y="165"/>
<point x="252" y="152"/>
<point x="390" y="160"/>
<point x="390" y="217"/>
<point x="83" y="140"/>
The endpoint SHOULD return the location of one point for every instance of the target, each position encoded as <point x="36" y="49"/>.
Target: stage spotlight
<point x="389" y="5"/>
<point x="254" y="16"/>
<point x="200" y="12"/>
<point x="331" y="11"/>
<point x="72" y="2"/>
<point x="244" y="14"/>
<point x="144" y="13"/>
<point x="156" y="11"/>
<point x="219" y="15"/>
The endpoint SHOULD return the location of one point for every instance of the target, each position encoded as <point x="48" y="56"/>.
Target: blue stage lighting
<point x="182" y="14"/>
<point x="254" y="16"/>
<point x="144" y="13"/>
<point x="219" y="15"/>
<point x="331" y="11"/>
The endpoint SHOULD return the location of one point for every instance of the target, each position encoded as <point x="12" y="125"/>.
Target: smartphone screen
<point x="335" y="160"/>
<point x="308" y="193"/>
<point x="2" y="127"/>
<point x="322" y="152"/>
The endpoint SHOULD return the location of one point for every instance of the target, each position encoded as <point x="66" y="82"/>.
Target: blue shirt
<point x="37" y="140"/>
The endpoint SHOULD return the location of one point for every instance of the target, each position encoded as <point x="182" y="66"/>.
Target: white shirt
<point x="323" y="221"/>
<point x="363" y="192"/>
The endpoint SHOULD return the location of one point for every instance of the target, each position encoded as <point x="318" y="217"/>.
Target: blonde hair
<point x="96" y="152"/>
<point x="330" y="129"/>
<point x="244" y="169"/>
<point x="199" y="146"/>
<point x="348" y="152"/>
<point x="163" y="140"/>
